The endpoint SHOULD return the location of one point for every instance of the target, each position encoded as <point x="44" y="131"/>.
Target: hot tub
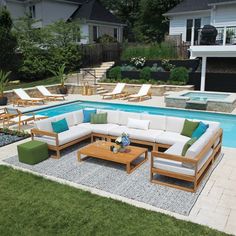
<point x="211" y="101"/>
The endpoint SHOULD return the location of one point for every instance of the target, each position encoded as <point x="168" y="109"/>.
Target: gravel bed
<point x="6" y="139"/>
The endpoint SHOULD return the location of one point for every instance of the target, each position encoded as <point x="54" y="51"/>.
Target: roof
<point x="193" y="5"/>
<point x="93" y="10"/>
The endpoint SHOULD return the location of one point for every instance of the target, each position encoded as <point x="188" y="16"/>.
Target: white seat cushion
<point x="124" y="116"/>
<point x="46" y="139"/>
<point x="171" y="138"/>
<point x="112" y="116"/>
<point x="144" y="135"/>
<point x="78" y="117"/>
<point x="173" y="166"/>
<point x="174" y="124"/>
<point x="138" y="124"/>
<point x="176" y="149"/>
<point x="117" y="131"/>
<point x="45" y="124"/>
<point x="99" y="128"/>
<point x="156" y="122"/>
<point x="69" y="118"/>
<point x="196" y="148"/>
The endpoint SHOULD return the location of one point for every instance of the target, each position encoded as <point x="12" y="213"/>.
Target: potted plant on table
<point x="3" y="83"/>
<point x="60" y="74"/>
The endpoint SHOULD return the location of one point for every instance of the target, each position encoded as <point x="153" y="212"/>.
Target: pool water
<point x="228" y="122"/>
<point x="206" y="96"/>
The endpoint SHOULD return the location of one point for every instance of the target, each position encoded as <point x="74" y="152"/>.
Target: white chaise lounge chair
<point x="117" y="91"/>
<point x="25" y="99"/>
<point x="143" y="92"/>
<point x="48" y="95"/>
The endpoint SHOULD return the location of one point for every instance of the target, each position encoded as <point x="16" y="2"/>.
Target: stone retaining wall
<point x="156" y="90"/>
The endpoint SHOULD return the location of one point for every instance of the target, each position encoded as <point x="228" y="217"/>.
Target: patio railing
<point x="225" y="36"/>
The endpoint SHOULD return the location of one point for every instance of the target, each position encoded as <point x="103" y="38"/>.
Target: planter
<point x="63" y="89"/>
<point x="3" y="101"/>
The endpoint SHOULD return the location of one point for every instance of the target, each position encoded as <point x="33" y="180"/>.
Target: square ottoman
<point x="32" y="152"/>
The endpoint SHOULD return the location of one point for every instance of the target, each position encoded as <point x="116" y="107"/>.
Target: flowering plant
<point x="123" y="141"/>
<point x="167" y="65"/>
<point x="138" y="62"/>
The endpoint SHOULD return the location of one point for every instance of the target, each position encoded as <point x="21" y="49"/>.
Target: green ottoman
<point x="32" y="152"/>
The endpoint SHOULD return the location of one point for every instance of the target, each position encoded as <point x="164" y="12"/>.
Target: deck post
<point x="203" y="73"/>
<point x="192" y="36"/>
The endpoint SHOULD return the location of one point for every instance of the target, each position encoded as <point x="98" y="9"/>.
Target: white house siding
<point x="54" y="11"/>
<point x="178" y="23"/>
<point x="84" y="30"/>
<point x="16" y="9"/>
<point x="225" y="15"/>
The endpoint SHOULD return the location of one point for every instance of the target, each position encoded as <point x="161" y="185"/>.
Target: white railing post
<point x="192" y="36"/>
<point x="203" y="73"/>
<point x="224" y="36"/>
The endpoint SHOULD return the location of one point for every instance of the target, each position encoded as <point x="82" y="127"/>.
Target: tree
<point x="151" y="25"/>
<point x="8" y="42"/>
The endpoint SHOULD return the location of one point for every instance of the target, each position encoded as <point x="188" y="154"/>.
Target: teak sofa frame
<point x="196" y="179"/>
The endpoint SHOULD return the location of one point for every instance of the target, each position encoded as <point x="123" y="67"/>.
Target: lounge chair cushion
<point x="144" y="135"/>
<point x="112" y="116"/>
<point x="138" y="124"/>
<point x="174" y="124"/>
<point x="189" y="128"/>
<point x="45" y="125"/>
<point x="124" y="116"/>
<point x="171" y="138"/>
<point x="156" y="122"/>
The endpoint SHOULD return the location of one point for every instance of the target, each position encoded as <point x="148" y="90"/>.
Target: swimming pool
<point x="228" y="122"/>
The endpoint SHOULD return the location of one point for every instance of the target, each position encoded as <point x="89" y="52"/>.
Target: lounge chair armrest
<point x="173" y="157"/>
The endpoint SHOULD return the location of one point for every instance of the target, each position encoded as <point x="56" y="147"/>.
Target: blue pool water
<point x="228" y="122"/>
<point x="206" y="96"/>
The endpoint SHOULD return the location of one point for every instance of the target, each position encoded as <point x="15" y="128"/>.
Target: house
<point x="95" y="19"/>
<point x="197" y="13"/>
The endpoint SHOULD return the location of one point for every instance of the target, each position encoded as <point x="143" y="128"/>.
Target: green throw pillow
<point x="100" y="118"/>
<point x="189" y="127"/>
<point x="188" y="145"/>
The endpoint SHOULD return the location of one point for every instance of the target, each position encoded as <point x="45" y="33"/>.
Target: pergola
<point x="210" y="51"/>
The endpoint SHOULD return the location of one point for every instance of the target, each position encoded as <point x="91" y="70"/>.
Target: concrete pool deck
<point x="216" y="206"/>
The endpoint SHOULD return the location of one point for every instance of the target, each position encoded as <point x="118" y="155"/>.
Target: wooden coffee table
<point x="101" y="150"/>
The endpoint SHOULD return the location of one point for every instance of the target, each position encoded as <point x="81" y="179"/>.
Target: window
<point x="197" y="26"/>
<point x="95" y="33"/>
<point x="32" y="11"/>
<point x="116" y="33"/>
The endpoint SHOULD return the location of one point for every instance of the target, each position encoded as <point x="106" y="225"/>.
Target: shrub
<point x="156" y="68"/>
<point x="128" y="68"/>
<point x="145" y="73"/>
<point x="106" y="39"/>
<point x="179" y="74"/>
<point x="167" y="65"/>
<point x="115" y="73"/>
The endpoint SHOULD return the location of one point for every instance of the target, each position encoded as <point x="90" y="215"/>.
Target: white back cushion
<point x="138" y="124"/>
<point x="123" y="117"/>
<point x="112" y="116"/>
<point x="69" y="118"/>
<point x="174" y="124"/>
<point x="78" y="116"/>
<point x="156" y="122"/>
<point x="197" y="147"/>
<point x="45" y="124"/>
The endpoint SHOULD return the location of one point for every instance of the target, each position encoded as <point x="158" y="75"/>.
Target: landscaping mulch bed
<point x="9" y="137"/>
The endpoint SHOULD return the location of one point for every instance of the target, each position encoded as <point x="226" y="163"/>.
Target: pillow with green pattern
<point x="189" y="128"/>
<point x="99" y="118"/>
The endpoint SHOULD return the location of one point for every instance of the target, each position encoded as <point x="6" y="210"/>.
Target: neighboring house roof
<point x="93" y="10"/>
<point x="193" y="5"/>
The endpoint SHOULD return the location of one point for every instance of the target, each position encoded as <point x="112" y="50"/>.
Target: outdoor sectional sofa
<point x="163" y="134"/>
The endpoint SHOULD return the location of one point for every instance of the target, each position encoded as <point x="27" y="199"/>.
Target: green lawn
<point x="48" y="81"/>
<point x="31" y="205"/>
